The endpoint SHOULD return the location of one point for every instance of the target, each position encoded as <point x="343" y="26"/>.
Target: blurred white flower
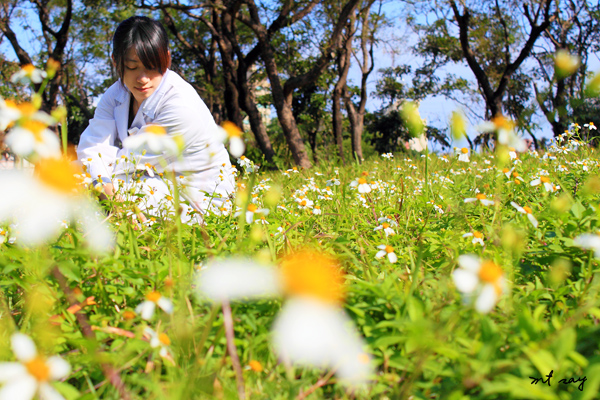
<point x="463" y="154"/>
<point x="161" y="341"/>
<point x="589" y="241"/>
<point x="482" y="198"/>
<point x="527" y="211"/>
<point x="153" y="138"/>
<point x="153" y="299"/>
<point x="33" y="140"/>
<point x="549" y="186"/>
<point x="476" y="235"/>
<point x="311" y="328"/>
<point x="31" y="375"/>
<point x="27" y="74"/>
<point x="485" y="280"/>
<point x="39" y="203"/>
<point x="386" y="250"/>
<point x="386" y="227"/>
<point x="361" y="184"/>
<point x="230" y="132"/>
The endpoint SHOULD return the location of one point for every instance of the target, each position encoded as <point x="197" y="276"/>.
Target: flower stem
<point x="229" y="334"/>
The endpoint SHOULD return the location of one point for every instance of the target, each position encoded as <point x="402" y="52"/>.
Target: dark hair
<point x="147" y="38"/>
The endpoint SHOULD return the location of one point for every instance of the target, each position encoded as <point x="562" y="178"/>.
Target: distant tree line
<point x="247" y="56"/>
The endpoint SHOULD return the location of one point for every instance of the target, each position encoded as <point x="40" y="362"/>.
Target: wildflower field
<point x="408" y="275"/>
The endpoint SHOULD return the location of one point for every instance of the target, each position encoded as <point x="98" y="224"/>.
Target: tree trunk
<point x="284" y="108"/>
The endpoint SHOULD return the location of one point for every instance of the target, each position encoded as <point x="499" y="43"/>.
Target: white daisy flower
<point x="386" y="227"/>
<point x="39" y="203"/>
<point x="153" y="138"/>
<point x="386" y="250"/>
<point x="549" y="186"/>
<point x="253" y="212"/>
<point x="361" y="184"/>
<point x="153" y="299"/>
<point x="482" y="198"/>
<point x="463" y="154"/>
<point x="161" y="341"/>
<point x="311" y="328"/>
<point x="27" y="74"/>
<point x="484" y="280"/>
<point x="231" y="133"/>
<point x="476" y="235"/>
<point x="31" y="375"/>
<point x="589" y="241"/>
<point x="33" y="140"/>
<point x="527" y="211"/>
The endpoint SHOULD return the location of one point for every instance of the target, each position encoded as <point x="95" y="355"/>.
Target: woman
<point x="149" y="94"/>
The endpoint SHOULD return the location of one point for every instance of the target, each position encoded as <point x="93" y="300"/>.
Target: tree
<point x="283" y="93"/>
<point x="55" y="40"/>
<point x="575" y="31"/>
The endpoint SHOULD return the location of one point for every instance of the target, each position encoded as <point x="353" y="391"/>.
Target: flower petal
<point x="47" y="392"/>
<point x="235" y="279"/>
<point x="23" y="347"/>
<point x="469" y="262"/>
<point x="309" y="332"/>
<point x="487" y="299"/>
<point x="23" y="388"/>
<point x="465" y="281"/>
<point x="9" y="371"/>
<point x="59" y="368"/>
<point x="165" y="304"/>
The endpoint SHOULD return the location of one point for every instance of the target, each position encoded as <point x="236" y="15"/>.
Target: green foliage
<point x="425" y="339"/>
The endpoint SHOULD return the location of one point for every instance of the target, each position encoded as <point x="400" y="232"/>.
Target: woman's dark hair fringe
<point x="149" y="40"/>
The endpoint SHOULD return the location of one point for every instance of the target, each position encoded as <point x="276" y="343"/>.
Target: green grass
<point x="425" y="340"/>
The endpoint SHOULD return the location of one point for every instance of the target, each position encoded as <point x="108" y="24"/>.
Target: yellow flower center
<point x="255" y="366"/>
<point x="477" y="234"/>
<point x="385" y="225"/>
<point x="303" y="203"/>
<point x="252" y="207"/>
<point x="480" y="196"/>
<point x="544" y="179"/>
<point x="318" y="207"/>
<point x="29" y="68"/>
<point x="153" y="296"/>
<point x="490" y="272"/>
<point x="362" y="181"/>
<point x="518" y="182"/>
<point x="389" y="249"/>
<point x="59" y="174"/>
<point x="128" y="315"/>
<point x="528" y="209"/>
<point x="36" y="128"/>
<point x="38" y="369"/>
<point x="364" y="173"/>
<point x="308" y="272"/>
<point x="502" y="123"/>
<point x="363" y="358"/>
<point x="464" y="150"/>
<point x="505" y="170"/>
<point x="231" y="129"/>
<point x="515" y="174"/>
<point x="155" y="130"/>
<point x="164" y="339"/>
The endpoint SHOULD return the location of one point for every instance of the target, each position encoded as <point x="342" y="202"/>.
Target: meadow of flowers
<point x="412" y="275"/>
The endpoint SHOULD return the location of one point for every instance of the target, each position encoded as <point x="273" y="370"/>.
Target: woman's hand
<point x="108" y="191"/>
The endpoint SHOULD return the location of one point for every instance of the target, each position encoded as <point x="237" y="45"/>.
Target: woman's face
<point x="140" y="81"/>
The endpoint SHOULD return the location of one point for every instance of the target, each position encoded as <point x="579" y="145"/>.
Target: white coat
<point x="175" y="106"/>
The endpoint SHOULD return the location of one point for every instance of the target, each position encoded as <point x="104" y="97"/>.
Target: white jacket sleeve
<point x="96" y="146"/>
